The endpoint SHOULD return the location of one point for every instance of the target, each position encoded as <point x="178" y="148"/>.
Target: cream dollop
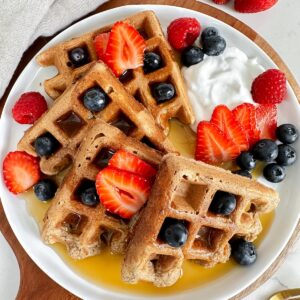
<point x="224" y="79"/>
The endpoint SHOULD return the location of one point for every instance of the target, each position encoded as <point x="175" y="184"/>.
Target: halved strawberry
<point x="20" y="171"/>
<point x="122" y="192"/>
<point x="125" y="48"/>
<point x="266" y="118"/>
<point x="100" y="43"/>
<point x="127" y="161"/>
<point x="245" y="114"/>
<point x="213" y="146"/>
<point x="224" y="119"/>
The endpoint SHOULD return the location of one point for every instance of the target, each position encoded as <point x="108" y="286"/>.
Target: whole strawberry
<point x="183" y="32"/>
<point x="29" y="108"/>
<point x="269" y="87"/>
<point x="253" y="6"/>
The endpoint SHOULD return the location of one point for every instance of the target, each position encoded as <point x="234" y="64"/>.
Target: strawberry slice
<point x="213" y="146"/>
<point x="245" y="114"/>
<point x="224" y="119"/>
<point x="125" y="48"/>
<point x="127" y="161"/>
<point x="266" y="118"/>
<point x="20" y="171"/>
<point x="100" y="44"/>
<point x="122" y="192"/>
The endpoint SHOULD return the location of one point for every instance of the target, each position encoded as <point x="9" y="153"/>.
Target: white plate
<point x="26" y="230"/>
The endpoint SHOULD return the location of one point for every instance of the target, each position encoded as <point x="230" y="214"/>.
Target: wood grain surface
<point x="35" y="284"/>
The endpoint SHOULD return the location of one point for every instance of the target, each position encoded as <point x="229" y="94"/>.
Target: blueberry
<point x="243" y="252"/>
<point x="95" y="99"/>
<point x="274" y="173"/>
<point x="246" y="161"/>
<point x="163" y="92"/>
<point x="286" y="155"/>
<point x="287" y="133"/>
<point x="46" y="144"/>
<point x="209" y="32"/>
<point x="174" y="232"/>
<point x="89" y="196"/>
<point x="45" y="189"/>
<point x="78" y="56"/>
<point x="223" y="203"/>
<point x="214" y="46"/>
<point x="243" y="173"/>
<point x="152" y="62"/>
<point x="192" y="56"/>
<point x="265" y="150"/>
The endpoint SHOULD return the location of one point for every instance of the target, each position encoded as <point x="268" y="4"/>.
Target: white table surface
<point x="280" y="27"/>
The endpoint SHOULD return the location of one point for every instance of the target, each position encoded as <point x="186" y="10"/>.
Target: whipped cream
<point x="224" y="79"/>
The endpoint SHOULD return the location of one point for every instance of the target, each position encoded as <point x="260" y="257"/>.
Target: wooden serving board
<point x="35" y="284"/>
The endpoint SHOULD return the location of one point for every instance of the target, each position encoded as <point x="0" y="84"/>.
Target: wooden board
<point x="37" y="285"/>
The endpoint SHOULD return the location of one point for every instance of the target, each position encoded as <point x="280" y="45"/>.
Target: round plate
<point x="26" y="230"/>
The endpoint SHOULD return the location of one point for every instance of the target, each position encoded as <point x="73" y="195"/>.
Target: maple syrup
<point x="104" y="269"/>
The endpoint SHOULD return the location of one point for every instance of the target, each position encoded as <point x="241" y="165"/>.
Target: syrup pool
<point x="104" y="269"/>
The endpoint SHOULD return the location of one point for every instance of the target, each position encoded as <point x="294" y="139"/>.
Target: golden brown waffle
<point x="188" y="189"/>
<point x="68" y="118"/>
<point x="136" y="82"/>
<point x="86" y="230"/>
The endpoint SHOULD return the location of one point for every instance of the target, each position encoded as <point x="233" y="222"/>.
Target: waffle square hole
<point x="103" y="157"/>
<point x="82" y="186"/>
<point x="74" y="223"/>
<point x="70" y="123"/>
<point x="208" y="238"/>
<point x="81" y="53"/>
<point x="138" y="97"/>
<point x="145" y="140"/>
<point x="153" y="85"/>
<point x="124" y="124"/>
<point x="127" y="76"/>
<point x="163" y="263"/>
<point x="162" y="62"/>
<point x="188" y="197"/>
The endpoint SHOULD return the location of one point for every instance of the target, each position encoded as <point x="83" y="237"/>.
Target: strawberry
<point x="221" y="1"/>
<point x="212" y="144"/>
<point x="127" y="161"/>
<point x="225" y="120"/>
<point x="269" y="87"/>
<point x="266" y="118"/>
<point x="20" y="171"/>
<point x="100" y="44"/>
<point x="122" y="192"/>
<point x="253" y="6"/>
<point x="125" y="48"/>
<point x="245" y="114"/>
<point x="183" y="32"/>
<point x="29" y="108"/>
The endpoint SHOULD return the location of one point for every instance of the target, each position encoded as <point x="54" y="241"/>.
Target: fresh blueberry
<point x="78" y="56"/>
<point x="243" y="173"/>
<point x="265" y="150"/>
<point x="286" y="155"/>
<point x="45" y="189"/>
<point x="152" y="62"/>
<point x="209" y="32"/>
<point x="274" y="173"/>
<point x="46" y="144"/>
<point x="246" y="161"/>
<point x="163" y="92"/>
<point x="243" y="252"/>
<point x="95" y="99"/>
<point x="287" y="133"/>
<point x="214" y="46"/>
<point x="223" y="203"/>
<point x="174" y="232"/>
<point x="192" y="56"/>
<point x="89" y="196"/>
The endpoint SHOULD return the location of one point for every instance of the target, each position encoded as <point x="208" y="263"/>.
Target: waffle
<point x="67" y="119"/>
<point x="86" y="230"/>
<point x="188" y="189"/>
<point x="136" y="82"/>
